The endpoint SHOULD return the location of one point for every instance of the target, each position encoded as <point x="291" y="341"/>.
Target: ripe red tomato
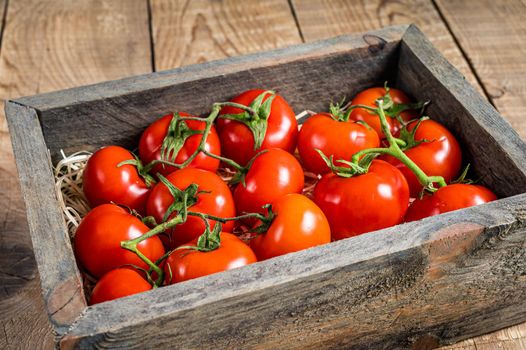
<point x="299" y="224"/>
<point x="103" y="181"/>
<point x="439" y="157"/>
<point x="186" y="264"/>
<point x="118" y="283"/>
<point x="449" y="198"/>
<point x="273" y="174"/>
<point x="98" y="237"/>
<point x="368" y="97"/>
<point x="363" y="203"/>
<point x="152" y="139"/>
<point x="338" y="138"/>
<point x="216" y="199"/>
<point x="237" y="140"/>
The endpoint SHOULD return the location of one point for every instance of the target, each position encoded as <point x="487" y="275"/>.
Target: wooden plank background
<point x="48" y="45"/>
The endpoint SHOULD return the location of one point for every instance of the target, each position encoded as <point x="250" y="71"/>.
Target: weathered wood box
<point x="417" y="285"/>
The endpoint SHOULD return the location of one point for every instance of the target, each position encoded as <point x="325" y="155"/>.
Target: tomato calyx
<point x="462" y="178"/>
<point x="352" y="168"/>
<point x="183" y="199"/>
<point x="264" y="222"/>
<point x="394" y="110"/>
<point x="176" y="136"/>
<point x="239" y="176"/>
<point x="141" y="169"/>
<point x="408" y="137"/>
<point x="391" y="109"/>
<point x="255" y="117"/>
<point x="208" y="241"/>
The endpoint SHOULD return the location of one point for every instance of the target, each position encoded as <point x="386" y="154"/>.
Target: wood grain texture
<point x="486" y="138"/>
<point x="188" y="32"/>
<point x="50" y="45"/>
<point x="493" y="34"/>
<point x="59" y="276"/>
<point x="327" y="18"/>
<point x="100" y="114"/>
<point x="435" y="281"/>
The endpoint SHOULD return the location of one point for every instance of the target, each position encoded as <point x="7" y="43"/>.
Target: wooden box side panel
<point x="495" y="149"/>
<point x="308" y="76"/>
<point x="435" y="281"/>
<point x="59" y="276"/>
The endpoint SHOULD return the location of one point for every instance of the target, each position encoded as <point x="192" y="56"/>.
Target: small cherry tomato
<point x="368" y="97"/>
<point x="299" y="224"/>
<point x="363" y="203"/>
<point x="441" y="156"/>
<point x="237" y="140"/>
<point x="273" y="174"/>
<point x="118" y="283"/>
<point x="449" y="198"/>
<point x="341" y="139"/>
<point x="215" y="199"/>
<point x="186" y="264"/>
<point x="98" y="237"/>
<point x="103" y="181"/>
<point x="152" y="138"/>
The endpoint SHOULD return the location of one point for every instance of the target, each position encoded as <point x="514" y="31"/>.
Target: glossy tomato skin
<point x="98" y="237"/>
<point x="449" y="198"/>
<point x="332" y="137"/>
<point x="187" y="264"/>
<point x="441" y="156"/>
<point x="237" y="141"/>
<point x="273" y="174"/>
<point x="152" y="139"/>
<point x="103" y="181"/>
<point x="118" y="283"/>
<point x="368" y="97"/>
<point x="299" y="224"/>
<point x="216" y="201"/>
<point x="363" y="203"/>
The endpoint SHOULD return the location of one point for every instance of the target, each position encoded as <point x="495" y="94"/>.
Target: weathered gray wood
<point x="441" y="279"/>
<point x="59" y="276"/>
<point x="496" y="151"/>
<point x="420" y="284"/>
<point x="308" y="75"/>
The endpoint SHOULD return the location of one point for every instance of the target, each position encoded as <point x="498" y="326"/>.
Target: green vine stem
<point x="394" y="150"/>
<point x="209" y="121"/>
<point x="131" y="245"/>
<point x="208" y="241"/>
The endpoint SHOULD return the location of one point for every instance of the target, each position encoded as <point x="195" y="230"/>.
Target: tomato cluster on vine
<point x="209" y="194"/>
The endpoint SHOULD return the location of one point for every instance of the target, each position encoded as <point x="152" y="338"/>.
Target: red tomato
<point x="299" y="224"/>
<point x="216" y="201"/>
<point x="186" y="264"/>
<point x="440" y="157"/>
<point x="98" y="237"/>
<point x="368" y="97"/>
<point x="449" y="198"/>
<point x="152" y="139"/>
<point x="103" y="181"/>
<point x="237" y="140"/>
<point x="118" y="283"/>
<point x="338" y="138"/>
<point x="363" y="203"/>
<point x="273" y="174"/>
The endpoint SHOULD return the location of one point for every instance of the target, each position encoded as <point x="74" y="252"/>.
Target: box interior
<point x="307" y="84"/>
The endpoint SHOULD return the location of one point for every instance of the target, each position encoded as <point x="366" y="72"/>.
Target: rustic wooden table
<point x="50" y="45"/>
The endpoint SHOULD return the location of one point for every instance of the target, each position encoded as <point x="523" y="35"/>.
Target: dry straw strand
<point x="68" y="187"/>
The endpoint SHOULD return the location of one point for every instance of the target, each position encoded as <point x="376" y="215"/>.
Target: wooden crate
<point x="421" y="284"/>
